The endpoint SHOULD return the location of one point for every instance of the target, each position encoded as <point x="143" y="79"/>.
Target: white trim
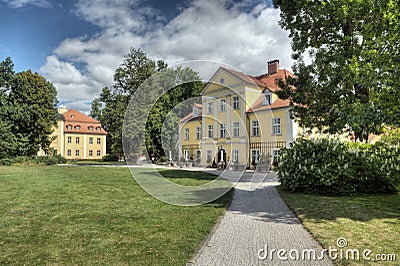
<point x="84" y="146"/>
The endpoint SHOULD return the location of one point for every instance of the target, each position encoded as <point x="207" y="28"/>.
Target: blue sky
<point x="78" y="44"/>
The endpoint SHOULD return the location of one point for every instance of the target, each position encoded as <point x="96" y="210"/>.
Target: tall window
<point x="77" y="140"/>
<point x="255" y="128"/>
<point x="209" y="156"/>
<point x="255" y="156"/>
<point x="210" y="108"/>
<point x="69" y="152"/>
<point x="275" y="153"/>
<point x="69" y="139"/>
<point x="276" y="126"/>
<point x="235" y="100"/>
<point x="236" y="129"/>
<point x="223" y="131"/>
<point x="223" y="105"/>
<point x="98" y="140"/>
<point x="235" y="156"/>
<point x="210" y="131"/>
<point x="77" y="152"/>
<point x="198" y="154"/>
<point x="198" y="132"/>
<point x="90" y="140"/>
<point x="98" y="153"/>
<point x="90" y="153"/>
<point x="186" y="133"/>
<point x="267" y="99"/>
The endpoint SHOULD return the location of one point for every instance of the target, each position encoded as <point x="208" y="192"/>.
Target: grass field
<point x="97" y="215"/>
<point x="365" y="221"/>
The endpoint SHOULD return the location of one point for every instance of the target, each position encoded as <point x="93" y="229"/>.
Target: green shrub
<point x="60" y="159"/>
<point x="328" y="166"/>
<point x="110" y="158"/>
<point x="51" y="160"/>
<point x="6" y="161"/>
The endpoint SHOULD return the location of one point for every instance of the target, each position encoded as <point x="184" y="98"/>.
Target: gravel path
<point x="256" y="223"/>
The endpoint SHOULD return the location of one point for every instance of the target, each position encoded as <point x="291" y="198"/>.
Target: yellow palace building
<point x="240" y="120"/>
<point x="78" y="136"/>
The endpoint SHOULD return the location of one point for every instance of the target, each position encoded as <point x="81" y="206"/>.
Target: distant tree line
<point x="28" y="111"/>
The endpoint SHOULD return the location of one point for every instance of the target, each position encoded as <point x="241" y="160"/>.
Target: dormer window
<point x="195" y="111"/>
<point x="90" y="128"/>
<point x="78" y="127"/>
<point x="98" y="129"/>
<point x="69" y="127"/>
<point x="72" y="116"/>
<point x="267" y="98"/>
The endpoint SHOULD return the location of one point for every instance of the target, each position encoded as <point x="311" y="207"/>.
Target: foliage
<point x="110" y="158"/>
<point x="351" y="79"/>
<point x="27" y="111"/>
<point x="331" y="167"/>
<point x="28" y="160"/>
<point x="391" y="136"/>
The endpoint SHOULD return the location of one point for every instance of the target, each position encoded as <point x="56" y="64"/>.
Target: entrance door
<point x="221" y="152"/>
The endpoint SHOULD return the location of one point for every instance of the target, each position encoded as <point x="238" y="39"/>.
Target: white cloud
<point x="23" y="3"/>
<point x="205" y="30"/>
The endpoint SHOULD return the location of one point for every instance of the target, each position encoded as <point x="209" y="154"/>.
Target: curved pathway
<point x="256" y="225"/>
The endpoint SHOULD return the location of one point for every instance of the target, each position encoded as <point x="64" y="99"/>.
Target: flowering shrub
<point x="331" y="167"/>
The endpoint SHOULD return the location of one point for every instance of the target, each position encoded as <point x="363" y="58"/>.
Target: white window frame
<point x="255" y="128"/>
<point x="98" y="153"/>
<point x="77" y="140"/>
<point x="69" y="139"/>
<point x="210" y="131"/>
<point x="235" y="156"/>
<point x="276" y="126"/>
<point x="90" y="152"/>
<point x="186" y="134"/>
<point x="223" y="105"/>
<point x="236" y="129"/>
<point x="198" y="154"/>
<point x="210" y="108"/>
<point x="76" y="152"/>
<point x="222" y="131"/>
<point x="98" y="140"/>
<point x="255" y="156"/>
<point x="267" y="98"/>
<point x="198" y="132"/>
<point x="69" y="152"/>
<point x="90" y="140"/>
<point x="235" y="102"/>
<point x="275" y="154"/>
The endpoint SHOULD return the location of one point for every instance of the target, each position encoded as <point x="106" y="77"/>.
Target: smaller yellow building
<point x="78" y="136"/>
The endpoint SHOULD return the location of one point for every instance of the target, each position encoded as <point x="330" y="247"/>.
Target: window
<point x="90" y="153"/>
<point x="77" y="140"/>
<point x="69" y="139"/>
<point x="186" y="155"/>
<point x="198" y="132"/>
<point x="235" y="156"/>
<point x="90" y="128"/>
<point x="69" y="127"/>
<point x="209" y="156"/>
<point x="98" y="153"/>
<point x="223" y="105"/>
<point x="198" y="154"/>
<point x="98" y="129"/>
<point x="69" y="152"/>
<point x="77" y="152"/>
<point x="235" y="102"/>
<point x="276" y="126"/>
<point x="267" y="99"/>
<point x="186" y="133"/>
<point x="78" y="127"/>
<point x="236" y="129"/>
<point x="222" y="131"/>
<point x="275" y="154"/>
<point x="255" y="156"/>
<point x="55" y="152"/>
<point x="195" y="112"/>
<point x="210" y="131"/>
<point x="98" y="141"/>
<point x="210" y="108"/>
<point x="255" y="128"/>
<point x="90" y="140"/>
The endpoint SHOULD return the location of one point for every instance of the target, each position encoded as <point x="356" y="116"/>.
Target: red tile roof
<point x="259" y="106"/>
<point x="74" y="118"/>
<point x="270" y="79"/>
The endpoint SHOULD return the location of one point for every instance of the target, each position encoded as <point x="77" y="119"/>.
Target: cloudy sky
<point x="77" y="45"/>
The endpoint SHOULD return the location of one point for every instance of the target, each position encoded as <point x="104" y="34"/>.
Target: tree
<point x="34" y="112"/>
<point x="352" y="78"/>
<point x="95" y="111"/>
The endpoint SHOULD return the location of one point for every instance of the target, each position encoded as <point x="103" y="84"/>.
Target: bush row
<point x="46" y="160"/>
<point x="327" y="166"/>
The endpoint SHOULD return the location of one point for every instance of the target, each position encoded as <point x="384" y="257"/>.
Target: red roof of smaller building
<point x="76" y="122"/>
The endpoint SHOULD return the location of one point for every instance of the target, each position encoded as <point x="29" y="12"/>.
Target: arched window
<point x="78" y="127"/>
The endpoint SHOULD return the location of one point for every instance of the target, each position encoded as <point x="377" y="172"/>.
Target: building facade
<point x="240" y="120"/>
<point x="78" y="136"/>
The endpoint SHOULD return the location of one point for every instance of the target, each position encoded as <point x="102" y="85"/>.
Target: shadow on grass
<point x="362" y="207"/>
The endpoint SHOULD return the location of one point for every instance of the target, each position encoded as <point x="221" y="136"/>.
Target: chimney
<point x="273" y="66"/>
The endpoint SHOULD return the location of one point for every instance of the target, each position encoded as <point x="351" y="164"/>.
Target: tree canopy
<point x="347" y="58"/>
<point x="27" y="111"/>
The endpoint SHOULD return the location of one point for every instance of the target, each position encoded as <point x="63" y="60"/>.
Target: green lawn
<point x="97" y="215"/>
<point x="365" y="221"/>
